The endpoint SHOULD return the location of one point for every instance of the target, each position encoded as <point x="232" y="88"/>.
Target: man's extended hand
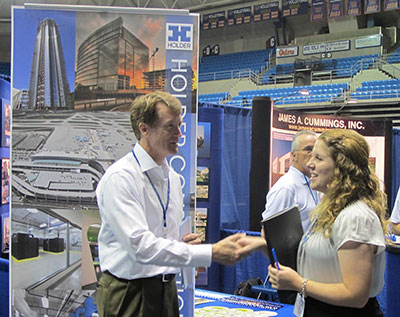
<point x="224" y="251"/>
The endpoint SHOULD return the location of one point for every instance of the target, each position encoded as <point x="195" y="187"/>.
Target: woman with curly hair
<point x="341" y="258"/>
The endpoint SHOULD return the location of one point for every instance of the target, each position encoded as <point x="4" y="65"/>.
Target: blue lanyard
<point x="310" y="229"/>
<point x="311" y="192"/>
<point x="164" y="208"/>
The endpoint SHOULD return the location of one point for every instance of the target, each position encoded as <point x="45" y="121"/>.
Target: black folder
<point x="283" y="232"/>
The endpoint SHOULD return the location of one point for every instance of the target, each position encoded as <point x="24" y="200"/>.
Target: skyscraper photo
<point x="48" y="87"/>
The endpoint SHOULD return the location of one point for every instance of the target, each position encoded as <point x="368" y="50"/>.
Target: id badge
<point x="299" y="305"/>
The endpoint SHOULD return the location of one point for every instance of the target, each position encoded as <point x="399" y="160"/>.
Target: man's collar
<point x="146" y="162"/>
<point x="304" y="177"/>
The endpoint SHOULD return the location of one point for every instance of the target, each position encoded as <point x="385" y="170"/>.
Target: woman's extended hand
<point x="250" y="244"/>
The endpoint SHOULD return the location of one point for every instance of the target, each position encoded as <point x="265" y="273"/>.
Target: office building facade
<point x="48" y="87"/>
<point x="111" y="59"/>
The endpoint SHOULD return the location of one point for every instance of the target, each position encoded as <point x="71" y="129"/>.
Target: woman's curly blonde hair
<point x="353" y="180"/>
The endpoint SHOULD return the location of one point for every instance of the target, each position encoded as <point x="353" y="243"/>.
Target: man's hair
<point x="144" y="109"/>
<point x="353" y="179"/>
<point x="295" y="141"/>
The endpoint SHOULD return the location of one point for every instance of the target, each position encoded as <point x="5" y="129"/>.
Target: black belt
<point x="161" y="277"/>
<point x="164" y="277"/>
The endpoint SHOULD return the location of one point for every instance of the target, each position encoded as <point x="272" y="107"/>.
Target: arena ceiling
<point x="192" y="5"/>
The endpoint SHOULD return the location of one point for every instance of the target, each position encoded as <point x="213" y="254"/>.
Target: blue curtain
<point x="235" y="168"/>
<point x="395" y="164"/>
<point x="236" y="152"/>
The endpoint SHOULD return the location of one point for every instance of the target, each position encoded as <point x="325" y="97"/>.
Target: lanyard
<point x="164" y="208"/>
<point x="310" y="229"/>
<point x="311" y="192"/>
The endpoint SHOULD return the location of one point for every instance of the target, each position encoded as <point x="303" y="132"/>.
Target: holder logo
<point x="179" y="36"/>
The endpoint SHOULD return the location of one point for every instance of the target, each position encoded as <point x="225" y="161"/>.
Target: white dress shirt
<point x="395" y="217"/>
<point x="291" y="189"/>
<point x="133" y="242"/>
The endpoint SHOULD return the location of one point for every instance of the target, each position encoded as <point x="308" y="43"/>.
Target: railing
<point x="229" y="74"/>
<point x="388" y="68"/>
<point x="346" y="97"/>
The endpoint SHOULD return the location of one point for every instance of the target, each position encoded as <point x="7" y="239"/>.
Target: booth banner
<point x="214" y="20"/>
<point x="353" y="7"/>
<point x="368" y="41"/>
<point x="335" y="9"/>
<point x="294" y="7"/>
<point x="326" y="47"/>
<point x="391" y="5"/>
<point x="284" y="124"/>
<point x="318" y="10"/>
<point x="266" y="11"/>
<point x="180" y="52"/>
<point x="372" y="6"/>
<point x="75" y="75"/>
<point x="239" y="16"/>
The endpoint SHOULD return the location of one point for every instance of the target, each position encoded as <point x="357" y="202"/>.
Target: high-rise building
<point x="48" y="87"/>
<point x="111" y="59"/>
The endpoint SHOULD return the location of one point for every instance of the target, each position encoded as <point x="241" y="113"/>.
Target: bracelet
<point x="303" y="287"/>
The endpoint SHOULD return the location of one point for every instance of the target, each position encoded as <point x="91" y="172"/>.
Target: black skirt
<point x="316" y="308"/>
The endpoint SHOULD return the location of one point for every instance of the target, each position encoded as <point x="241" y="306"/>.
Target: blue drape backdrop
<point x="235" y="166"/>
<point x="236" y="169"/>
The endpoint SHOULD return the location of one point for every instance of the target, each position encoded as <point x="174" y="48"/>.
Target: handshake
<point x="236" y="247"/>
<point x="233" y="248"/>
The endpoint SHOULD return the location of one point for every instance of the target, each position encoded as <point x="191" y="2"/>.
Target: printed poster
<point x="75" y="75"/>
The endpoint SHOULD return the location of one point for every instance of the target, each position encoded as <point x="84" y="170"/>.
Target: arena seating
<point x="5" y="71"/>
<point x="291" y="95"/>
<point x="225" y="64"/>
<point x="5" y="68"/>
<point x="377" y="89"/>
<point x="213" y="98"/>
<point x="394" y="57"/>
<point x="340" y="67"/>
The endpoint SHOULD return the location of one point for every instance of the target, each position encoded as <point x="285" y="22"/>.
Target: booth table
<point x="392" y="280"/>
<point x="208" y="303"/>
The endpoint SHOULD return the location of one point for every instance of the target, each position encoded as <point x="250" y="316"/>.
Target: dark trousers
<point x="145" y="297"/>
<point x="316" y="308"/>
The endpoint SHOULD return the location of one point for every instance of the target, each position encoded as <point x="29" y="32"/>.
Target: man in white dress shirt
<point x="294" y="187"/>
<point x="395" y="217"/>
<point x="141" y="207"/>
